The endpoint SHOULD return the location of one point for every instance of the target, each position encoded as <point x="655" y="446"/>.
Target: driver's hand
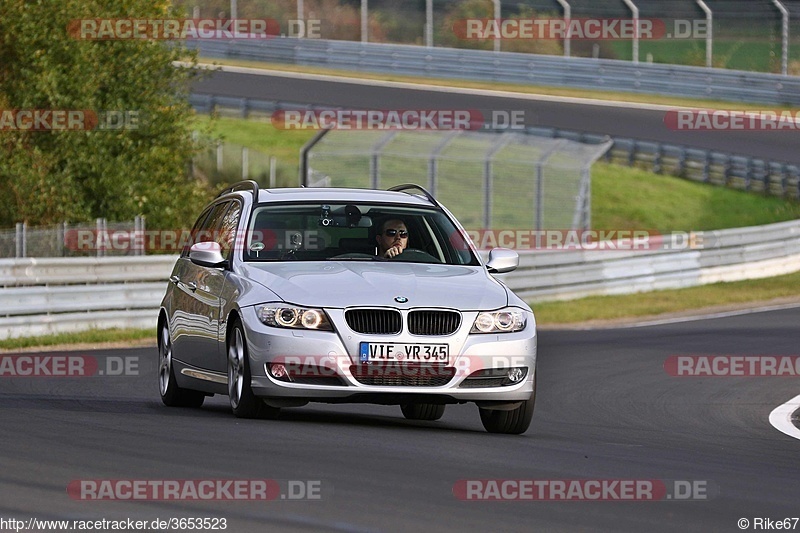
<point x="394" y="251"/>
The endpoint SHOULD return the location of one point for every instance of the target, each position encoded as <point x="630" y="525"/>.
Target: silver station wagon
<point x="290" y="296"/>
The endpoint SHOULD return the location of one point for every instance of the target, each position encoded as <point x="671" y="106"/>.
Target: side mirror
<point x="207" y="254"/>
<point x="502" y="260"/>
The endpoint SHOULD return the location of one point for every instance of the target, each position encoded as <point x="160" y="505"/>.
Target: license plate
<point x="370" y="352"/>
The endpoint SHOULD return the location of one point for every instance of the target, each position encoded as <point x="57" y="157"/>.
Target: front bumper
<point x="335" y="353"/>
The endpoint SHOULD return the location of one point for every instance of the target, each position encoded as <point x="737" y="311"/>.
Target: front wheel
<point x="244" y="403"/>
<point x="514" y="422"/>
<point x="171" y="394"/>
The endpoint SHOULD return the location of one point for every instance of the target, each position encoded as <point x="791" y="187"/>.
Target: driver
<point x="392" y="238"/>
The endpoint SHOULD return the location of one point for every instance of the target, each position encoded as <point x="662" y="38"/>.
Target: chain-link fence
<point x="220" y="162"/>
<point x="74" y="240"/>
<point x="488" y="180"/>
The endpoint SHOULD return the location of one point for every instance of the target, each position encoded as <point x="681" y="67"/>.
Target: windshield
<point x="354" y="232"/>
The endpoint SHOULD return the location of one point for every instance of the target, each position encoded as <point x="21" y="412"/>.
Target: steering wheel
<point x="415" y="255"/>
<point x="358" y="255"/>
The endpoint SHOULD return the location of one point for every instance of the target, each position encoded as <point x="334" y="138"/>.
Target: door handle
<point x="174" y="279"/>
<point x="192" y="286"/>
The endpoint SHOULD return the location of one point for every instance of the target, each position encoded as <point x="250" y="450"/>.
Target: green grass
<point x="631" y="198"/>
<point x="622" y="197"/>
<point x="669" y="301"/>
<point x="758" y="56"/>
<point x="94" y="336"/>
<point x="259" y="135"/>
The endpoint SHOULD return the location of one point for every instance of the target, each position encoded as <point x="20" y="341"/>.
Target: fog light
<point x="279" y="372"/>
<point x="515" y="375"/>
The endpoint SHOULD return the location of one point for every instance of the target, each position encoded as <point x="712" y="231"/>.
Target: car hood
<point x="355" y="283"/>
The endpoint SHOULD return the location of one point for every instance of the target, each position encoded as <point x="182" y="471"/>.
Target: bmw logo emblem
<point x="401" y="299"/>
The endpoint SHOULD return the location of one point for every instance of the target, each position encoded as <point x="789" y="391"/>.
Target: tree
<point x="50" y="176"/>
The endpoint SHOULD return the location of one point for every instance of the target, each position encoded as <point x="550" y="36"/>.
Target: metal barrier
<point x="509" y="67"/>
<point x="46" y="295"/>
<point x="709" y="166"/>
<point x="57" y="295"/>
<point x="719" y="256"/>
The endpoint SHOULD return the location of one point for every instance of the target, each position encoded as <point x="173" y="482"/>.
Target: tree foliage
<point x="50" y="176"/>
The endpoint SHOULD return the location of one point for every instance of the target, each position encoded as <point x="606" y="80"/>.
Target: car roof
<point x="341" y="195"/>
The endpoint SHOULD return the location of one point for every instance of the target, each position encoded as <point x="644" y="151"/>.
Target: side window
<point x="195" y="230"/>
<point x="207" y="223"/>
<point x="211" y="228"/>
<point x="226" y="231"/>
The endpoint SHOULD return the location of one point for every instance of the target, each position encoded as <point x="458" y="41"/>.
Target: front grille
<point x="393" y="375"/>
<point x="374" y="321"/>
<point x="433" y="322"/>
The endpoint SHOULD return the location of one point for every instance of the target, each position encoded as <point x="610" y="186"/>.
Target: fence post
<point x="19" y="239"/>
<point x="61" y="233"/>
<point x="139" y="238"/>
<point x="635" y="13"/>
<point x="219" y="157"/>
<point x="784" y="36"/>
<point x="245" y="163"/>
<point x="497" y="15"/>
<point x="364" y="22"/>
<point x="100" y="225"/>
<point x="273" y="171"/>
<point x="568" y="37"/>
<point x="429" y="23"/>
<point x="375" y="158"/>
<point x="710" y="34"/>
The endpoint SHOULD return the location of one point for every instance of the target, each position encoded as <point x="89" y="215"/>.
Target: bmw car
<point x="288" y="296"/>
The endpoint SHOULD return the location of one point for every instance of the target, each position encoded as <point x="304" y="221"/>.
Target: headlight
<point x="294" y="317"/>
<point x="505" y="320"/>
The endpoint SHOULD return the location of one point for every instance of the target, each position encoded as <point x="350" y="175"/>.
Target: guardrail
<point x="709" y="166"/>
<point x="510" y="67"/>
<point x="720" y="256"/>
<point x="44" y="296"/>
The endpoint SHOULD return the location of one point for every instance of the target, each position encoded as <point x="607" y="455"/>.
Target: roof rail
<point x="410" y="186"/>
<point x="240" y="186"/>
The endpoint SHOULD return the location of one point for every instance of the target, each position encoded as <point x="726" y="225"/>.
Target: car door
<point x="215" y="298"/>
<point x="180" y="300"/>
<point x="197" y="299"/>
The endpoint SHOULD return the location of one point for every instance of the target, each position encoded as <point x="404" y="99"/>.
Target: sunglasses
<point x="392" y="232"/>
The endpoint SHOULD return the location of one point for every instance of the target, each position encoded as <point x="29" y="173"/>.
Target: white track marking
<point x="781" y="418"/>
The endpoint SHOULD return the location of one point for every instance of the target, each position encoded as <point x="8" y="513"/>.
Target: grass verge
<point x="651" y="304"/>
<point x="93" y="336"/>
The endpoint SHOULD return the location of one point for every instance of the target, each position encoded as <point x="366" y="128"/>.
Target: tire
<point x="514" y="422"/>
<point x="244" y="403"/>
<point x="171" y="394"/>
<point x="422" y="411"/>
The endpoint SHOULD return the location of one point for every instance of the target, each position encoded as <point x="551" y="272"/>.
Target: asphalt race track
<point x="619" y="119"/>
<point x="606" y="410"/>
